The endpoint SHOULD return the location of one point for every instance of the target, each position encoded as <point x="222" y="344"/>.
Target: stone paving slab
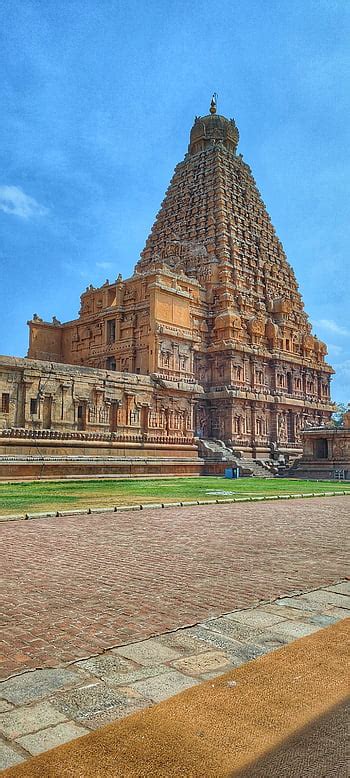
<point x="238" y="651"/>
<point x="40" y="683"/>
<point x="341" y="588"/>
<point x="109" y="666"/>
<point x="309" y="603"/>
<point x="128" y="576"/>
<point x="23" y="720"/>
<point x="256" y="618"/>
<point x="256" y="641"/>
<point x="49" y="707"/>
<point x="163" y="686"/>
<point x="341" y="613"/>
<point x="208" y="662"/>
<point x="99" y="703"/>
<point x="234" y="630"/>
<point x="132" y="676"/>
<point x="10" y="756"/>
<point x="288" y="631"/>
<point x="51" y="737"/>
<point x="325" y="597"/>
<point x="86" y="702"/>
<point x="322" y="619"/>
<point x="148" y="652"/>
<point x="183" y="642"/>
<point x="285" y="611"/>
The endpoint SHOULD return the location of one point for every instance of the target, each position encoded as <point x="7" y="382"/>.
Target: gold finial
<point x="213" y="103"/>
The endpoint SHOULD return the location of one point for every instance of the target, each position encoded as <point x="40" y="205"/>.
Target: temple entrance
<point x="81" y="417"/>
<point x="321" y="448"/>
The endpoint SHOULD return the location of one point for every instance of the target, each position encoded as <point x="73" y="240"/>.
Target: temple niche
<point x="209" y="333"/>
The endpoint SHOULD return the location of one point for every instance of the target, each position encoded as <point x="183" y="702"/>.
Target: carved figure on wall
<point x="297" y="426"/>
<point x="282" y="427"/>
<point x="201" y="430"/>
<point x="341" y="447"/>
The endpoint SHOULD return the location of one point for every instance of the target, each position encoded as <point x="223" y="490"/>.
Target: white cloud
<point x="78" y="270"/>
<point x="16" y="202"/>
<point x="341" y="385"/>
<point x="104" y="265"/>
<point x="331" y="326"/>
<point x="333" y="349"/>
<point x="343" y="369"/>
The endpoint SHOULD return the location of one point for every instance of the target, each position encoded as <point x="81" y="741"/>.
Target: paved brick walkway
<point x="74" y="586"/>
<point x="45" y="708"/>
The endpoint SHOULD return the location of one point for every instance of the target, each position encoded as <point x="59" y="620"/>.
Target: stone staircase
<point x="257" y="468"/>
<point x="215" y="450"/>
<point x="218" y="451"/>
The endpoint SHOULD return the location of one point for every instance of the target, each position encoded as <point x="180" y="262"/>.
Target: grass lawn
<point x="37" y="496"/>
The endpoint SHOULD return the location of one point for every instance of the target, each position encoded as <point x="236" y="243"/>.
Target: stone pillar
<point x="304" y="378"/>
<point x="252" y="369"/>
<point x="64" y="389"/>
<point x="20" y="418"/>
<point x="144" y="419"/>
<point x="253" y="427"/>
<point x="47" y="411"/>
<point x="113" y="415"/>
<point x="231" y="371"/>
<point x="128" y="398"/>
<point x="273" y="435"/>
<point x="229" y="419"/>
<point x="191" y="405"/>
<point x="275" y="368"/>
<point x="117" y="326"/>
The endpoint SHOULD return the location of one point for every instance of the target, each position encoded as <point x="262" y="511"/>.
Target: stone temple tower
<point x="213" y="302"/>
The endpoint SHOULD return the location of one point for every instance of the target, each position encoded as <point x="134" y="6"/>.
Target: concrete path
<point x="77" y="585"/>
<point x="48" y="707"/>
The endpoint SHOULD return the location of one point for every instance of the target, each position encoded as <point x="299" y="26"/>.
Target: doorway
<point x="321" y="448"/>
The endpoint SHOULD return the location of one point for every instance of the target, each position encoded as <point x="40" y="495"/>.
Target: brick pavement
<point x="77" y="585"/>
<point x="44" y="708"/>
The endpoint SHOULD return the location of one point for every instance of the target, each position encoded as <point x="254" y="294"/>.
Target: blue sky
<point x="98" y="98"/>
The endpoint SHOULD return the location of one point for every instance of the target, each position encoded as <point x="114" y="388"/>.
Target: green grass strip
<point x="37" y="496"/>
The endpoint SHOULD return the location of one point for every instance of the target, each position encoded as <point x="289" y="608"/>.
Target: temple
<point x="208" y="340"/>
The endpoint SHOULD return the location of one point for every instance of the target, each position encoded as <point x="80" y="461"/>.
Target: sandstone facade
<point x="58" y="419"/>
<point x="64" y="398"/>
<point x="209" y="337"/>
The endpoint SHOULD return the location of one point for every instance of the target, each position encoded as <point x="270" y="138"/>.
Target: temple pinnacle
<point x="213" y="103"/>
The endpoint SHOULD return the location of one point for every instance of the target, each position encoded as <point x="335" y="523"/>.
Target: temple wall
<point x="63" y="399"/>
